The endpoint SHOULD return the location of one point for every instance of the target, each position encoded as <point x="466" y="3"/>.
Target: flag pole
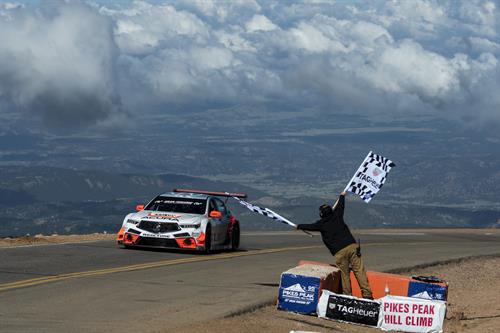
<point x="347" y="186"/>
<point x="307" y="232"/>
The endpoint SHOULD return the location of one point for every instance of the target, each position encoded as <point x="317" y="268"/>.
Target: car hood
<point x="181" y="218"/>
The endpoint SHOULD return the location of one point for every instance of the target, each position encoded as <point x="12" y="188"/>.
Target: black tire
<point x="235" y="237"/>
<point x="208" y="239"/>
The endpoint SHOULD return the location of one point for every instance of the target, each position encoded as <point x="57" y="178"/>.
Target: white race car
<point x="183" y="219"/>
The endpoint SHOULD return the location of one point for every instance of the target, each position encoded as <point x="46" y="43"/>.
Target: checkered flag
<point x="370" y="176"/>
<point x="265" y="211"/>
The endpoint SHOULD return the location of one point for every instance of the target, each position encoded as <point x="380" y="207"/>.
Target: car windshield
<point x="178" y="205"/>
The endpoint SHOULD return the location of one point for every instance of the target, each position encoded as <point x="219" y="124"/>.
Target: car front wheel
<point x="208" y="239"/>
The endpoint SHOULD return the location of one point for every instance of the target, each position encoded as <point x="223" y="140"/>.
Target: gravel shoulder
<point x="60" y="239"/>
<point x="52" y="239"/>
<point x="474" y="291"/>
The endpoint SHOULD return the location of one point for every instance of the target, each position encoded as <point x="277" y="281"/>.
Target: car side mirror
<point x="215" y="214"/>
<point x="139" y="208"/>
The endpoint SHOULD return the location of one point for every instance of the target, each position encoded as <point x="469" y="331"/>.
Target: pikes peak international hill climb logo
<point x="296" y="287"/>
<point x="298" y="292"/>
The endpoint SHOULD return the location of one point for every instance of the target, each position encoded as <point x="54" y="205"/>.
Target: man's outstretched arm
<point x="338" y="208"/>
<point x="310" y="227"/>
<point x="340" y="200"/>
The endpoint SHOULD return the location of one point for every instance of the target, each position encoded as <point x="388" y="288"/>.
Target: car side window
<point x="211" y="206"/>
<point x="220" y="206"/>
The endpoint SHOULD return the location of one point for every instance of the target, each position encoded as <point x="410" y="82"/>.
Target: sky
<point x="101" y="64"/>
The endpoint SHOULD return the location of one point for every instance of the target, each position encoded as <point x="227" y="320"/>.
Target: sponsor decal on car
<point x="144" y="234"/>
<point x="157" y="216"/>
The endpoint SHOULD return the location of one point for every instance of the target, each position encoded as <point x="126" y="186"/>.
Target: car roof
<point x="185" y="195"/>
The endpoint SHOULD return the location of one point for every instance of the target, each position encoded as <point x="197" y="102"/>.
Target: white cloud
<point x="480" y="16"/>
<point x="147" y="27"/>
<point x="482" y="45"/>
<point x="59" y="66"/>
<point x="211" y="58"/>
<point x="403" y="56"/>
<point x="234" y="41"/>
<point x="409" y="68"/>
<point x="308" y="37"/>
<point x="260" y="23"/>
<point x="11" y="5"/>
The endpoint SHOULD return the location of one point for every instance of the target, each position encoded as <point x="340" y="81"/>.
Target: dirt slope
<point x="473" y="305"/>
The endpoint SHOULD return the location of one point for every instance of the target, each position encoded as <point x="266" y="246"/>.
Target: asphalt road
<point x="96" y="286"/>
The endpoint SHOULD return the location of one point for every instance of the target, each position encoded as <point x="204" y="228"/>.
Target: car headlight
<point x="196" y="234"/>
<point x="132" y="221"/>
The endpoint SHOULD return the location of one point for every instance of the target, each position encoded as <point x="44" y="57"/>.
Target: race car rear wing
<point x="219" y="194"/>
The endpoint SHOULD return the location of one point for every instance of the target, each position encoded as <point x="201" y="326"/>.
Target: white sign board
<point x="412" y="314"/>
<point x="349" y="309"/>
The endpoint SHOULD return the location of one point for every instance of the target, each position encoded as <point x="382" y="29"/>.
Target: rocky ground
<point x="474" y="292"/>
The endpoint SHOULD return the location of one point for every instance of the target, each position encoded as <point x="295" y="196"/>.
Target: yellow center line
<point x="59" y="277"/>
<point x="156" y="264"/>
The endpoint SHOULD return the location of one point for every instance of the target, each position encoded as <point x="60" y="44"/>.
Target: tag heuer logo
<point x="377" y="172"/>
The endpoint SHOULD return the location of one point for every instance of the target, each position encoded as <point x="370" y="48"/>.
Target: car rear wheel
<point x="208" y="239"/>
<point x="235" y="237"/>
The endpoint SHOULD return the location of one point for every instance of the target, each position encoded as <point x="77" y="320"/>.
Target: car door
<point x="225" y="220"/>
<point x="216" y="223"/>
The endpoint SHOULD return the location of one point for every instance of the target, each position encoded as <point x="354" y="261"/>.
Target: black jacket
<point x="335" y="233"/>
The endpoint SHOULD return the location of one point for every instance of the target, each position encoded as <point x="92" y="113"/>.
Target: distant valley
<point x="44" y="200"/>
<point x="291" y="162"/>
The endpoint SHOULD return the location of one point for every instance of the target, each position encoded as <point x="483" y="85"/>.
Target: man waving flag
<point x="370" y="177"/>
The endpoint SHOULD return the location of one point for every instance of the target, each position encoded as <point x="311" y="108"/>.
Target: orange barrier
<point x="398" y="285"/>
<point x="380" y="283"/>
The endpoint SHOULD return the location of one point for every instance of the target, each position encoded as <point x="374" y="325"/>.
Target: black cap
<point x="324" y="210"/>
